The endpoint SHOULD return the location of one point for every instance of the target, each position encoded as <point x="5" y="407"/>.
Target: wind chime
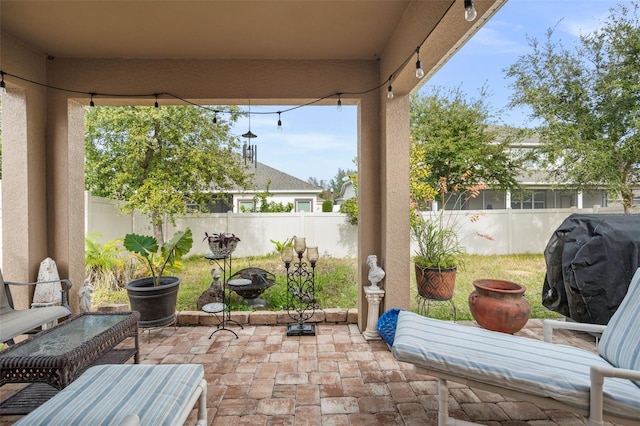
<point x="249" y="150"/>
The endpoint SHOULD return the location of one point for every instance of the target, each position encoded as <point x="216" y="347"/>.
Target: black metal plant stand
<point x="222" y="307"/>
<point x="301" y="298"/>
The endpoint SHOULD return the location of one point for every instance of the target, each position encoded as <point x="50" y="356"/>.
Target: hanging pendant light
<point x="249" y="151"/>
<point x="249" y="134"/>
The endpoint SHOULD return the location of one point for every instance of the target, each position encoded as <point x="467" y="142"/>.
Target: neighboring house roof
<point x="278" y="181"/>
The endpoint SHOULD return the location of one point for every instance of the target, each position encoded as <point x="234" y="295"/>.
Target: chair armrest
<point x="549" y="325"/>
<point x="64" y="283"/>
<point x="598" y="374"/>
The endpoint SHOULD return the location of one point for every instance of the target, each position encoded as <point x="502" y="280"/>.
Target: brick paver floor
<point x="334" y="378"/>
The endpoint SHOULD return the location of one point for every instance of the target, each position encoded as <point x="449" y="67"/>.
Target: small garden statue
<point x="214" y="292"/>
<point x="85" y="296"/>
<point x="376" y="273"/>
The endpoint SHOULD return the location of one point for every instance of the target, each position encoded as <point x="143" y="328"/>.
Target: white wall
<point x="329" y="231"/>
<point x="498" y="231"/>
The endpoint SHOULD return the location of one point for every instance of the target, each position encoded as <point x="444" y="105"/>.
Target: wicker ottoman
<point x="131" y="394"/>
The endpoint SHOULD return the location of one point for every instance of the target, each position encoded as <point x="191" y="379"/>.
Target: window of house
<point x="245" y="206"/>
<point x="303" y="205"/>
<point x="529" y="200"/>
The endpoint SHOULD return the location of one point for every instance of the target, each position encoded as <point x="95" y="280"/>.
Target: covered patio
<point x="58" y="56"/>
<point x="333" y="378"/>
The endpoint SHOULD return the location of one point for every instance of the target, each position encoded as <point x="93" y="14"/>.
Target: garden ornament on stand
<point x="376" y="273"/>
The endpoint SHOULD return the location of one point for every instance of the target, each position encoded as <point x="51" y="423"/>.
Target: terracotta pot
<point x="435" y="283"/>
<point x="499" y="305"/>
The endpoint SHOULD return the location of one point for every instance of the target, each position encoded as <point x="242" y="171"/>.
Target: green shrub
<point x="327" y="206"/>
<point x="107" y="266"/>
<point x="350" y="208"/>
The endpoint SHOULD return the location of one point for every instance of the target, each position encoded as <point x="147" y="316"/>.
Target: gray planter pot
<point x="157" y="305"/>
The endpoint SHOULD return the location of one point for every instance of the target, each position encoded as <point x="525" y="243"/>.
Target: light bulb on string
<point x="419" y="70"/>
<point x="156" y="105"/>
<point x="91" y="103"/>
<point x="390" y="92"/>
<point x="279" y="122"/>
<point x="215" y="117"/>
<point x="3" y="86"/>
<point x="339" y="103"/>
<point x="469" y="10"/>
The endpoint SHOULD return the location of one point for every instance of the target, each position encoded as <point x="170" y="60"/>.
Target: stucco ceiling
<point x="304" y="29"/>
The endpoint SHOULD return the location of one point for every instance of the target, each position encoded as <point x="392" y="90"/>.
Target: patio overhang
<point x="216" y="52"/>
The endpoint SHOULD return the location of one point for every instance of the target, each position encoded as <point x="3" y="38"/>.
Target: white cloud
<point x="496" y="41"/>
<point x="584" y="26"/>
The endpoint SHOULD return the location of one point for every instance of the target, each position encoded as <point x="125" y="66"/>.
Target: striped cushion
<point x="108" y="394"/>
<point x="620" y="343"/>
<point x="15" y="323"/>
<point x="519" y="363"/>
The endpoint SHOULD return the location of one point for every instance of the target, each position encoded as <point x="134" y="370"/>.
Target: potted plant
<point x="222" y="244"/>
<point x="437" y="256"/>
<point x="439" y="251"/>
<point x="155" y="295"/>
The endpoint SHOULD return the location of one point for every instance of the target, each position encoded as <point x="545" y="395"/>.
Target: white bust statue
<point x="376" y="273"/>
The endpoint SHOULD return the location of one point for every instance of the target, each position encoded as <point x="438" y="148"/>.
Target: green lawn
<point x="336" y="284"/>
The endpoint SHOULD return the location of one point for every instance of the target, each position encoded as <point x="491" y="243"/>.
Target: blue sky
<point x="316" y="141"/>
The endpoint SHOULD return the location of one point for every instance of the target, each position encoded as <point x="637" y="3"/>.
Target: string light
<point x="469" y="10"/>
<point x="91" y="103"/>
<point x="470" y="15"/>
<point x="279" y="122"/>
<point x="419" y="70"/>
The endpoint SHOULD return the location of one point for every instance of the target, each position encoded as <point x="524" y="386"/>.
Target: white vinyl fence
<point x="503" y="231"/>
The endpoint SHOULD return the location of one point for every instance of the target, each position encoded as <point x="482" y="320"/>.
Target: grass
<point x="336" y="283"/>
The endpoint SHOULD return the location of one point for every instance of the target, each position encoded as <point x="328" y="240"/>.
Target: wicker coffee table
<point x="52" y="359"/>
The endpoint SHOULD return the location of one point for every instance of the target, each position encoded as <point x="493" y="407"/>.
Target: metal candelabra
<point x="301" y="289"/>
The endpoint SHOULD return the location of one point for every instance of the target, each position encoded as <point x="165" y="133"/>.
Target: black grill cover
<point x="590" y="261"/>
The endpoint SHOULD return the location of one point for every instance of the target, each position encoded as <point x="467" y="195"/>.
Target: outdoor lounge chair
<point x="127" y="394"/>
<point x="600" y="386"/>
<point x="14" y="322"/>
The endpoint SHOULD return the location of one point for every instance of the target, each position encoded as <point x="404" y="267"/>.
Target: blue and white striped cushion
<point x="620" y="343"/>
<point x="519" y="363"/>
<point x="107" y="394"/>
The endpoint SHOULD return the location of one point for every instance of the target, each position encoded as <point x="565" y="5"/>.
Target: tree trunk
<point x="157" y="228"/>
<point x="627" y="200"/>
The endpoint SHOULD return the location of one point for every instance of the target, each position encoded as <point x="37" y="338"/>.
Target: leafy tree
<point x="333" y="188"/>
<point x="314" y="181"/>
<point x="159" y="160"/>
<point x="350" y="208"/>
<point x="588" y="100"/>
<point x="454" y="136"/>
